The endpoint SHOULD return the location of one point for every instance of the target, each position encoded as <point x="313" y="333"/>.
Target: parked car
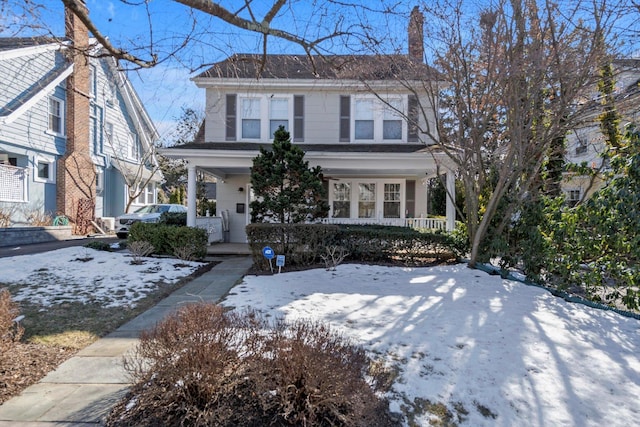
<point x="149" y="213"/>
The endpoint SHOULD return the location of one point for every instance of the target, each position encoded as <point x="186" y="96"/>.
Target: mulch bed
<point x="26" y="364"/>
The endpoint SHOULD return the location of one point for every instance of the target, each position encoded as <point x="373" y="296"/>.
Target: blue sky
<point x="166" y="88"/>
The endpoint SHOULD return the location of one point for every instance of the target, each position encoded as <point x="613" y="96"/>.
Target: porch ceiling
<point x="225" y="163"/>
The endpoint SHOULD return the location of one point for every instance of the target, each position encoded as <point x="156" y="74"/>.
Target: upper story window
<point x="251" y="118"/>
<point x="582" y="140"/>
<point x="134" y="146"/>
<point x="258" y="117"/>
<point x="392" y="120"/>
<point x="278" y="115"/>
<point x="56" y="115"/>
<point x="92" y="81"/>
<point x="363" y="125"/>
<point x="108" y="130"/>
<point x="371" y="119"/>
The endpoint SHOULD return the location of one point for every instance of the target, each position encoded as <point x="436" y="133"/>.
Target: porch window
<point x="342" y="200"/>
<point x="367" y="200"/>
<point x="391" y="206"/>
<point x="364" y="119"/>
<point x="251" y="118"/>
<point x="279" y="115"/>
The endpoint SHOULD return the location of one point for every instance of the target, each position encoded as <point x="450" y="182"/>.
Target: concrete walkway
<point x="84" y="388"/>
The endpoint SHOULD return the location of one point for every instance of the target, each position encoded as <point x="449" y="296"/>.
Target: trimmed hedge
<point x="170" y="239"/>
<point x="304" y="244"/>
<point x="402" y="244"/>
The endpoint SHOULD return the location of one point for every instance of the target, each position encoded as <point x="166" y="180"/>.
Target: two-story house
<point x="72" y="130"/>
<point x="351" y="114"/>
<point x="586" y="143"/>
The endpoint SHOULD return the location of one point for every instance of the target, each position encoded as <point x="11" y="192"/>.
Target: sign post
<point x="280" y="262"/>
<point x="268" y="253"/>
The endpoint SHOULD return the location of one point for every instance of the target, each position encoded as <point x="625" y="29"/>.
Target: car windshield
<point x="153" y="209"/>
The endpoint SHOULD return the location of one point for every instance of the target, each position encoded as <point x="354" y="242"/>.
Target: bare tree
<point x="139" y="174"/>
<point x="508" y="79"/>
<point x="213" y="27"/>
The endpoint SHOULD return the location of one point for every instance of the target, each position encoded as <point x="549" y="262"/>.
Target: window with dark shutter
<point x="412" y="119"/>
<point x="231" y="118"/>
<point x="345" y="118"/>
<point x="410" y="201"/>
<point x="298" y="118"/>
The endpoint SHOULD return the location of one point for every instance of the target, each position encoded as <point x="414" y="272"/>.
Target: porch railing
<point x="428" y="223"/>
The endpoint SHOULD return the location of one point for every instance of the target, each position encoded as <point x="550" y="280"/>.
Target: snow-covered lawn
<point x="88" y="275"/>
<point x="495" y="352"/>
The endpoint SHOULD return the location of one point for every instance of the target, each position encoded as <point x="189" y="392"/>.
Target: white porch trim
<point x="191" y="195"/>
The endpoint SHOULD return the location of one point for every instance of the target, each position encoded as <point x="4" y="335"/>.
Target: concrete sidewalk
<point x="84" y="388"/>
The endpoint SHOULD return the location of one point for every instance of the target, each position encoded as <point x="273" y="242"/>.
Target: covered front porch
<point x="365" y="184"/>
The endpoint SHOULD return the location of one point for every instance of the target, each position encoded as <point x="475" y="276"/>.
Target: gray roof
<point x="369" y="67"/>
<point x="10" y="43"/>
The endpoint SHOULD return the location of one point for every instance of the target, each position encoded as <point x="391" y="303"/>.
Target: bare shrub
<point x="10" y="331"/>
<point x="205" y="366"/>
<point x="38" y="218"/>
<point x="140" y="249"/>
<point x="6" y="213"/>
<point x="185" y="252"/>
<point x="333" y="256"/>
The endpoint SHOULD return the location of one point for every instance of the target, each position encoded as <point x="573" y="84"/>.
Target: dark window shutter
<point x="345" y="118"/>
<point x="298" y="118"/>
<point x="231" y="118"/>
<point x="412" y="119"/>
<point x="410" y="201"/>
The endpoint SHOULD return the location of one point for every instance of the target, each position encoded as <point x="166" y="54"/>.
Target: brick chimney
<point x="76" y="176"/>
<point x="416" y="35"/>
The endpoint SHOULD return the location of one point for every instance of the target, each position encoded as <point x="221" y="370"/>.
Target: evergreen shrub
<point x="171" y="239"/>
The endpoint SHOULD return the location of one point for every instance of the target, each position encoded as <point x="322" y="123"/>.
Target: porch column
<point x="191" y="195"/>
<point x="451" y="201"/>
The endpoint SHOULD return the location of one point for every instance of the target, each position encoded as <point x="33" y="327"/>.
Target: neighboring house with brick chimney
<point x="71" y="129"/>
<point x="350" y="114"/>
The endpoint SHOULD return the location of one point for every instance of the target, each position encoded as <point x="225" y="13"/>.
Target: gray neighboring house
<point x="59" y="110"/>
<point x="350" y="114"/>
